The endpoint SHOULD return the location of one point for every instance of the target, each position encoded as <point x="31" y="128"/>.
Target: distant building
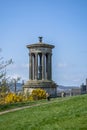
<point x="84" y="88"/>
<point x="75" y="91"/>
<point x="68" y="91"/>
<point x="72" y="90"/>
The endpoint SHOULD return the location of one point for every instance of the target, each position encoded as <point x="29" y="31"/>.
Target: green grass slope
<point x="62" y="114"/>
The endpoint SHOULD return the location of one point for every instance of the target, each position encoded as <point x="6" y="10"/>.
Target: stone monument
<point x="40" y="68"/>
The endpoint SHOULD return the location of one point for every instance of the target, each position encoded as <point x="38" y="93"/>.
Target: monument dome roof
<point x="40" y="44"/>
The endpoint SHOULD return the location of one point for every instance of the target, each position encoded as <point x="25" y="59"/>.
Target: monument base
<point x="49" y="86"/>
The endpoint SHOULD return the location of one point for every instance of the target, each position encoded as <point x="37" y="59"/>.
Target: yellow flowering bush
<point x="2" y="97"/>
<point x="30" y="98"/>
<point x="2" y="101"/>
<point x="38" y="94"/>
<point x="12" y="98"/>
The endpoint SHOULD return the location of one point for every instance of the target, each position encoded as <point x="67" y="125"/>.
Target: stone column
<point x="30" y="66"/>
<point x="40" y="67"/>
<point x="43" y="66"/>
<point x="36" y="66"/>
<point x="49" y="67"/>
<point x="33" y="66"/>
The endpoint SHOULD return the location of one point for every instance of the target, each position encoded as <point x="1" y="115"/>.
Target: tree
<point x="3" y="65"/>
<point x="3" y="78"/>
<point x="14" y="82"/>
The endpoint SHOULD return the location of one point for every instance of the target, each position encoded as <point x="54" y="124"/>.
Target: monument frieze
<point x="33" y="50"/>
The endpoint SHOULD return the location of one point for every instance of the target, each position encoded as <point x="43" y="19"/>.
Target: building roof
<point x="40" y="44"/>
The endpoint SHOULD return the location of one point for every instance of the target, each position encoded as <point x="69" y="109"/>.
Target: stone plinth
<point x="48" y="86"/>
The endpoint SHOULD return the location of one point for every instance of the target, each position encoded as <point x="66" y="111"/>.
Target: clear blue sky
<point x="62" y="23"/>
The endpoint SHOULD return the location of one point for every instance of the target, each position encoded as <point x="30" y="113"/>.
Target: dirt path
<point x="34" y="105"/>
<point x="21" y="108"/>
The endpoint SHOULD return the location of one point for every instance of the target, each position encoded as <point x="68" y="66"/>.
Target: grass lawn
<point x="67" y="114"/>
